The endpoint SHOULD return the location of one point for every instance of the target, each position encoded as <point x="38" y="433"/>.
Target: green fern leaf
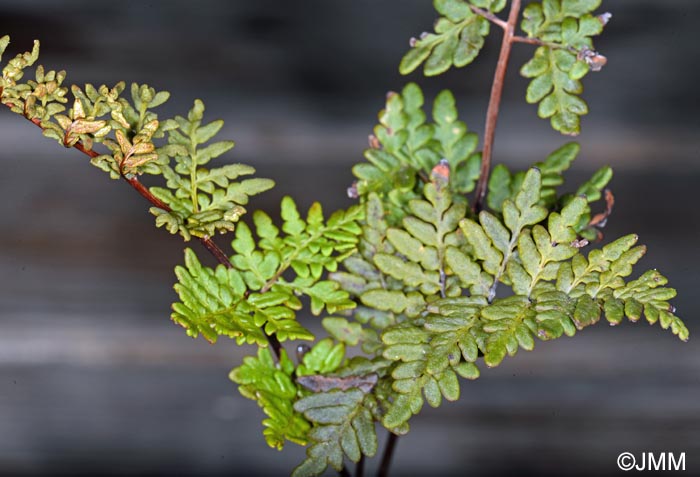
<point x="309" y="247"/>
<point x="556" y="69"/>
<point x="13" y="72"/>
<point x="494" y="242"/>
<point x="423" y="241"/>
<point x="339" y="408"/>
<point x="407" y="148"/>
<point x="505" y="185"/>
<point x="271" y="385"/>
<point x="202" y="201"/>
<point x="214" y="302"/>
<point x="4" y="41"/>
<point x="238" y="301"/>
<point x="431" y="357"/>
<point x="555" y="91"/>
<point x="324" y="357"/>
<point x="343" y="330"/>
<point x="458" y="38"/>
<point x="259" y="295"/>
<point x="540" y="250"/>
<point x="343" y="426"/>
<point x="382" y="298"/>
<point x="507" y="324"/>
<point x="429" y="260"/>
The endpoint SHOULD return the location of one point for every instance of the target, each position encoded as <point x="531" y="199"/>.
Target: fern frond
<point x="362" y="274"/>
<point x="308" y="248"/>
<point x="494" y="242"/>
<point x="567" y="28"/>
<point x="423" y="240"/>
<point x="333" y="408"/>
<point x="426" y="371"/>
<point x="272" y="386"/>
<point x="343" y="427"/>
<point x="13" y="72"/>
<point x="335" y="418"/>
<point x="238" y="301"/>
<point x="340" y="410"/>
<point x="458" y="38"/>
<point x="374" y="290"/>
<point x="202" y="201"/>
<point x="324" y="357"/>
<point x="436" y="337"/>
<point x="197" y="201"/>
<point x="218" y="302"/>
<point x="407" y="148"/>
<point x="505" y="185"/>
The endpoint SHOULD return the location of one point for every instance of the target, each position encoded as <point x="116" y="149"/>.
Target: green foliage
<point x="13" y="72"/>
<point x="339" y="408"/>
<point x="504" y="185"/>
<point x="202" y="201"/>
<point x="47" y="95"/>
<point x="252" y="298"/>
<point x="133" y="124"/>
<point x="343" y="330"/>
<point x="407" y="148"/>
<point x="429" y="285"/>
<point x="4" y="41"/>
<point x="418" y="289"/>
<point x="324" y="357"/>
<point x="458" y="38"/>
<point x="336" y="417"/>
<point x="343" y="426"/>
<point x="566" y="27"/>
<point x="216" y="302"/>
<point x="272" y="386"/>
<point x="414" y="265"/>
<point x="195" y="201"/>
<point x="422" y="242"/>
<point x="381" y="297"/>
<point x="429" y="365"/>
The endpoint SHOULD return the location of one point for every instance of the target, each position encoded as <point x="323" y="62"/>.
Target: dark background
<point x="94" y="378"/>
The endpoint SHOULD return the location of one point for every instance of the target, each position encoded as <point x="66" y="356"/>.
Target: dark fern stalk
<point x="388" y="455"/>
<point x="413" y="273"/>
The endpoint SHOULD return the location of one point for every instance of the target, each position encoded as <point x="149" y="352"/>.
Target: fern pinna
<point x="431" y="286"/>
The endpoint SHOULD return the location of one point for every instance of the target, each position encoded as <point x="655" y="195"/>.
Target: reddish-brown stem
<point x="535" y="41"/>
<point x="489" y="16"/>
<point x="79" y="146"/>
<point x="215" y="251"/>
<point x="206" y="241"/>
<point x="495" y="104"/>
<point x="531" y="41"/>
<point x="145" y="193"/>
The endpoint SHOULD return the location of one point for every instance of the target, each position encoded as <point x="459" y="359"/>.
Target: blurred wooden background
<point x="95" y="379"/>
